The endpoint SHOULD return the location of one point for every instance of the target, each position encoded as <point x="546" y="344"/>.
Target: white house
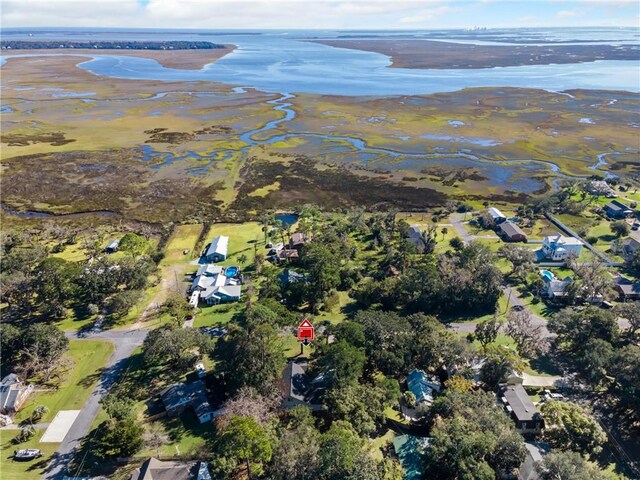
<point x="558" y="247"/>
<point x="497" y="215"/>
<point x="217" y="251"/>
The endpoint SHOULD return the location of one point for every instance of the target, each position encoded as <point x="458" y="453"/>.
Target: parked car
<point x="517" y="308"/>
<point x="201" y="371"/>
<point x="27" y="454"/>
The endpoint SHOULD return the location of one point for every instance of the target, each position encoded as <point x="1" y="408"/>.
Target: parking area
<point x="60" y="426"/>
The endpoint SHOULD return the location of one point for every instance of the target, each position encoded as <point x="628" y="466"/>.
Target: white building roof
<point x="560" y="240"/>
<point x="495" y="213"/>
<point x="209" y="269"/>
<point x="219" y="245"/>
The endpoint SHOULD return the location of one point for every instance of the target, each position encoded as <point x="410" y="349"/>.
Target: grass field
<point x="88" y="357"/>
<point x="243" y="239"/>
<point x="32" y="470"/>
<point x="184" y="237"/>
<point x="216" y="315"/>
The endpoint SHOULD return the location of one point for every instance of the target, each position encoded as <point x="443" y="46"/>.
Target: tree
<point x="244" y="441"/>
<point x="121" y="302"/>
<point x="342" y="362"/>
<point x="487" y="331"/>
<point x="133" y="244"/>
<point x="472" y="439"/>
<point x="39" y="412"/>
<point x="631" y="312"/>
<point x="529" y="338"/>
<point x="177" y="307"/>
<point x="119" y="438"/>
<point x="593" y="277"/>
<point x="559" y="465"/>
<point x="117" y="406"/>
<point x="459" y="384"/>
<point x="41" y="348"/>
<point x="521" y="259"/>
<point x="456" y="243"/>
<point x="500" y="362"/>
<point x="444" y="232"/>
<point x="569" y="427"/>
<point x="175" y="346"/>
<point x="155" y="436"/>
<point x="576" y="327"/>
<point x="620" y="228"/>
<point x="342" y="455"/>
<point x="55" y="284"/>
<point x="625" y="367"/>
<point x="249" y="403"/>
<point x="297" y="454"/>
<point x="361" y="405"/>
<point x="254" y="360"/>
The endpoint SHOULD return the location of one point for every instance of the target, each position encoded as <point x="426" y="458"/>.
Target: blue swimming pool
<point x="546" y="275"/>
<point x="231" y="271"/>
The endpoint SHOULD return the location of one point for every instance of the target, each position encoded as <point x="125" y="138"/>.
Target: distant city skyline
<point x="323" y="14"/>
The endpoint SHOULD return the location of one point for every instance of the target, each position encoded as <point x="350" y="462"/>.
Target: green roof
<point x="410" y="450"/>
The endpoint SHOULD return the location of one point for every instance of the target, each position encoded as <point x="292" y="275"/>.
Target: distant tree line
<point x="108" y="45"/>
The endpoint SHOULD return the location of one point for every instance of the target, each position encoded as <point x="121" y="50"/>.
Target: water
<point x="274" y="62"/>
<point x="286" y="219"/>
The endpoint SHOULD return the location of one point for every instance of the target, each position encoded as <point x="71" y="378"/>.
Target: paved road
<point x="125" y="341"/>
<point x="512" y="295"/>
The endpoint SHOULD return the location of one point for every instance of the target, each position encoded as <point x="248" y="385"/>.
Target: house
<point x="617" y="209"/>
<point x="221" y="294"/>
<point x="298" y="388"/>
<point x="510" y="232"/>
<point x="521" y="409"/>
<point x="13" y="394"/>
<point x="627" y="289"/>
<point x="180" y="396"/>
<point x="557" y="289"/>
<point x="629" y="248"/>
<point x="217" y="251"/>
<point x="113" y="246"/>
<point x="297" y="240"/>
<point x="209" y="270"/>
<point x="422" y="386"/>
<point x="558" y="247"/>
<point x="287" y="254"/>
<point x="414" y="235"/>
<point x="154" y="469"/>
<point x="496" y="215"/>
<point x="529" y="469"/>
<point x="288" y="277"/>
<point x="600" y="187"/>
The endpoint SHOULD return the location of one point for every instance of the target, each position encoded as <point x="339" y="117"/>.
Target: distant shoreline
<point x="194" y="59"/>
<point x="429" y="54"/>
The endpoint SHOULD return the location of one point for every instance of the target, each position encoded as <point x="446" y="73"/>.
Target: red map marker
<point x="306" y="332"/>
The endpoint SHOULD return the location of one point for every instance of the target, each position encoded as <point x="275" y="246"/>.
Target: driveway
<point x="457" y="220"/>
<point x="125" y="341"/>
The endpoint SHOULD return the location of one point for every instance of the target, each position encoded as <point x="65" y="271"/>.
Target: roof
<point x="288" y="253"/>
<point x="616" y="206"/>
<point x="291" y="276"/>
<point x="300" y="386"/>
<point x="511" y="229"/>
<point x="631" y="243"/>
<point x="10" y="379"/>
<point x="421" y="385"/>
<point x="298" y="238"/>
<point x="154" y="469"/>
<point x="560" y="239"/>
<point x="627" y="287"/>
<point x="233" y="291"/>
<point x="521" y="405"/>
<point x="219" y="245"/>
<point x="409" y="450"/>
<point x="114" y="244"/>
<point x="495" y="213"/>
<point x="209" y="269"/>
<point x="559" y="287"/>
<point x="192" y="394"/>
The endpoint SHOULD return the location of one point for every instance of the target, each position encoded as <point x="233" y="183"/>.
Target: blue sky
<point x="327" y="14"/>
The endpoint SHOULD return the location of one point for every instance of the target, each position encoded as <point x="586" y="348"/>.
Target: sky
<point x="321" y="14"/>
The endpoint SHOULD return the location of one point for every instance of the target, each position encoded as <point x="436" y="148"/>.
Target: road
<point x="512" y="295"/>
<point x="458" y="223"/>
<point x="125" y="341"/>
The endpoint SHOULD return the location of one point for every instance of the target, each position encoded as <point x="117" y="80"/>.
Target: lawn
<point x="32" y="470"/>
<point x="184" y="237"/>
<point x="243" y="239"/>
<point x="216" y="315"/>
<point x="87" y="357"/>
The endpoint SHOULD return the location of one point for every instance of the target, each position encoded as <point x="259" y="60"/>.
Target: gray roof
<point x="291" y="276"/>
<point x="521" y="405"/>
<point x="192" y="394"/>
<point x="154" y="469"/>
<point x="300" y="386"/>
<point x="219" y="245"/>
<point x="495" y="213"/>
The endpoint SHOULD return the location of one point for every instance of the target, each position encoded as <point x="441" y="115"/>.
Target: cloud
<point x="566" y="14"/>
<point x="426" y="16"/>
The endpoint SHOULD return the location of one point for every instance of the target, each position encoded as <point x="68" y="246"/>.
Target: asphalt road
<point x="125" y="341"/>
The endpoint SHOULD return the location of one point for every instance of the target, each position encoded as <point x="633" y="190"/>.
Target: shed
<point x="497" y="215"/>
<point x="217" y="251"/>
<point x="510" y="232"/>
<point x="113" y="246"/>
